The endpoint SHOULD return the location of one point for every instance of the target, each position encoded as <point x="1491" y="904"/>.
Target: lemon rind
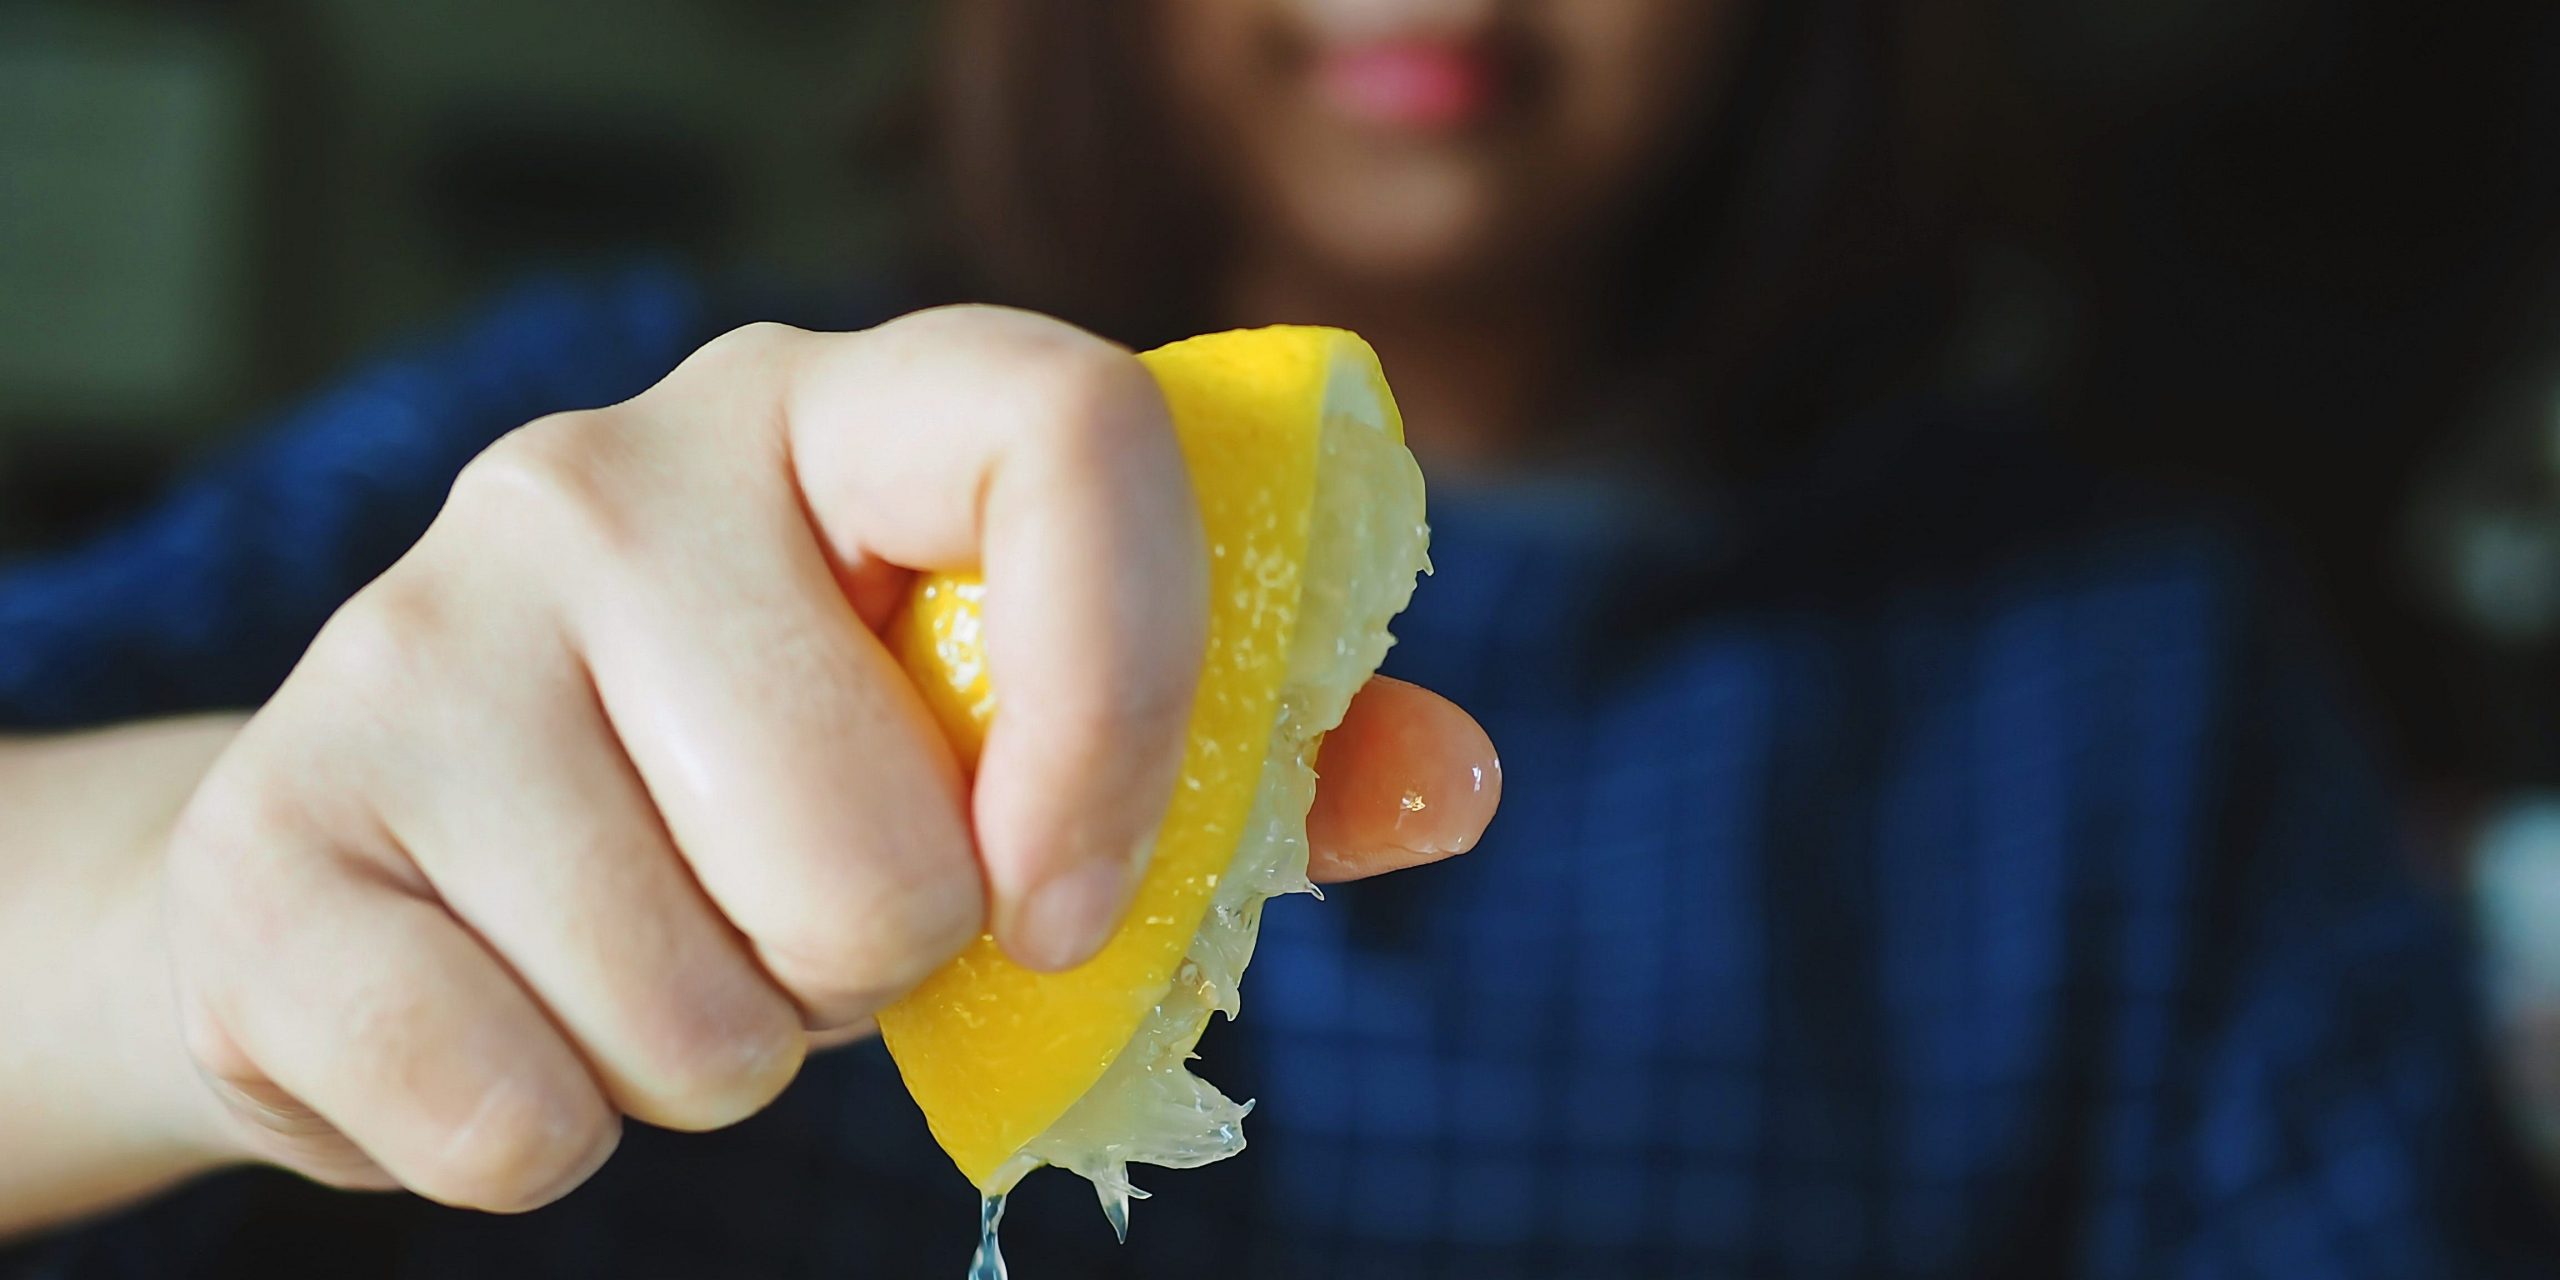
<point x="1367" y="545"/>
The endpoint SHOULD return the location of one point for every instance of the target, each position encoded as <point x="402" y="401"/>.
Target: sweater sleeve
<point x="206" y="599"/>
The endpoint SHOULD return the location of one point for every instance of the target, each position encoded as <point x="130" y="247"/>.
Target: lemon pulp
<point x="1314" y="515"/>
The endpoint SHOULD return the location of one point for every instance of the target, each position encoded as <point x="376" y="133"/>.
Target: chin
<point x="1417" y="263"/>
<point x="1408" y="221"/>
<point x="1393" y="248"/>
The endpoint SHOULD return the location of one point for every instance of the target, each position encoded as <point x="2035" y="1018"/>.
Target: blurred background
<point x="207" y="206"/>
<point x="2307" y="254"/>
<point x="2304" y="254"/>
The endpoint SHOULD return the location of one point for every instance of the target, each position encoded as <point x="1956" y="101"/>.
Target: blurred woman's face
<point x="1427" y="142"/>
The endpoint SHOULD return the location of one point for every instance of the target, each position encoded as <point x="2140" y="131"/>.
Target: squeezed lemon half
<point x="1314" y="515"/>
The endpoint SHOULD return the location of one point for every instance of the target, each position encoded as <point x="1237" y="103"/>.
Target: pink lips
<point x="1418" y="85"/>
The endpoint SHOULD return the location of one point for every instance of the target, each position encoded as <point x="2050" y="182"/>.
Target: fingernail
<point x="1070" y="917"/>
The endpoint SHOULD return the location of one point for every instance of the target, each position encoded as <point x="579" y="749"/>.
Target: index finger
<point x="1043" y="458"/>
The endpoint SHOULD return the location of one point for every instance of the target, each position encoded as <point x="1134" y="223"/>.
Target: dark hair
<point x="1801" y="259"/>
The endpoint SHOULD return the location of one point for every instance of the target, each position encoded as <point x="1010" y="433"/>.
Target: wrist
<point x="97" y="1096"/>
<point x="172" y="1116"/>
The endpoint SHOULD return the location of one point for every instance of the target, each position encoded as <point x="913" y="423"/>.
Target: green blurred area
<point x="204" y="207"/>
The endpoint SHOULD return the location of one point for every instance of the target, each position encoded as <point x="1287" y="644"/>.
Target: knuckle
<point x="218" y="1059"/>
<point x="1095" y="400"/>
<point x="224" y="851"/>
<point x="1072" y="385"/>
<point x="760" y="344"/>
<point x="989" y="324"/>
<point x="710" y="1066"/>
<point x="518" y="1153"/>
<point x="380" y="641"/>
<point x="755" y="338"/>
<point x="554" y="473"/>
<point x="222" y="817"/>
<point x="844" y="966"/>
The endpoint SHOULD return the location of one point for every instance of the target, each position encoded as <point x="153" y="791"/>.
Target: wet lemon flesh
<point x="1314" y="515"/>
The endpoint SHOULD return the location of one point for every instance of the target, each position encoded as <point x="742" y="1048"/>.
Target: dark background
<point x="2306" y="254"/>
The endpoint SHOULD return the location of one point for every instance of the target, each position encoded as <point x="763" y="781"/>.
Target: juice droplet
<point x="988" y="1264"/>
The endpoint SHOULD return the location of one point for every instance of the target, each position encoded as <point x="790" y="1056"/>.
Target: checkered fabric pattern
<point x="1929" y="866"/>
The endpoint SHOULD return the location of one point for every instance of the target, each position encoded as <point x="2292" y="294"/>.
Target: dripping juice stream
<point x="989" y="1262"/>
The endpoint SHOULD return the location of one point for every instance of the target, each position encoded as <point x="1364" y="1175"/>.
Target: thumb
<point x="1407" y="778"/>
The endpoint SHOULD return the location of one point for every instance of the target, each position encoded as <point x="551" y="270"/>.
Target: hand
<point x="605" y="800"/>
